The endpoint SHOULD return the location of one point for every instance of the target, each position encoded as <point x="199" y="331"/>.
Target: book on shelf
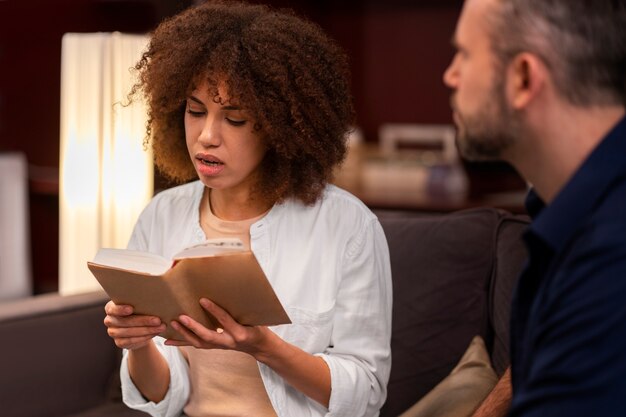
<point x="221" y="270"/>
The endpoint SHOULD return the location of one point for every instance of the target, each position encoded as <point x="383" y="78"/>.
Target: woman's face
<point x="223" y="146"/>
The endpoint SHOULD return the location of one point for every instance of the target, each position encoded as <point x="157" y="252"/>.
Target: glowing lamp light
<point x="106" y="175"/>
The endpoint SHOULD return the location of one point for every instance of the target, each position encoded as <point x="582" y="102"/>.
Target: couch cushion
<point x="56" y="355"/>
<point x="461" y="392"/>
<point x="442" y="271"/>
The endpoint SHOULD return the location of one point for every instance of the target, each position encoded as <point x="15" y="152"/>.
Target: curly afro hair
<point x="281" y="68"/>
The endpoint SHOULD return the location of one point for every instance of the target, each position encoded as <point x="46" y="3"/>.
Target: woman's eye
<point x="235" y="122"/>
<point x="195" y="113"/>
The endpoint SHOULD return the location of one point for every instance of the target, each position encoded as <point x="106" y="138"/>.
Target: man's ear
<point x="526" y="79"/>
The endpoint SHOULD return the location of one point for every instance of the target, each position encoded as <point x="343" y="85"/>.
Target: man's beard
<point x="484" y="136"/>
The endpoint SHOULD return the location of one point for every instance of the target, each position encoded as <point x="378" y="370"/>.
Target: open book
<point x="218" y="269"/>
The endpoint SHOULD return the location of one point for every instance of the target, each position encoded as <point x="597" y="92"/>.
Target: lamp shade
<point x="106" y="175"/>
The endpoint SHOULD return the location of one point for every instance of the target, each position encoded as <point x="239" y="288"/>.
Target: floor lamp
<point x="106" y="175"/>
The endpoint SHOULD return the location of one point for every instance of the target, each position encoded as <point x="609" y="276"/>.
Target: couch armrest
<point x="56" y="357"/>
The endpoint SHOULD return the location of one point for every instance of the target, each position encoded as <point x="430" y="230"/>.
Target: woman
<point x="255" y="105"/>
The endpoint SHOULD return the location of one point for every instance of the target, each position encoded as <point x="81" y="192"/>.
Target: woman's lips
<point x="208" y="165"/>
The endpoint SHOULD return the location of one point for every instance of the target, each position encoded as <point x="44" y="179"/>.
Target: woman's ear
<point x="526" y="78"/>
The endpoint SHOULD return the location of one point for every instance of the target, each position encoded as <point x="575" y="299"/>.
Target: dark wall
<point x="398" y="51"/>
<point x="30" y="65"/>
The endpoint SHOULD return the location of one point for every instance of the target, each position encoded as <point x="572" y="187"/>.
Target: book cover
<point x="232" y="278"/>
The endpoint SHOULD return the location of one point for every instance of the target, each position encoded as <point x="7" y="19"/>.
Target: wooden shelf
<point x="400" y="182"/>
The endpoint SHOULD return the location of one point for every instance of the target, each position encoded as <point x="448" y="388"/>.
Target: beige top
<point x="224" y="382"/>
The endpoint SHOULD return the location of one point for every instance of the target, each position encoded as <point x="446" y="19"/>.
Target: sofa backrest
<point x="56" y="357"/>
<point x="452" y="279"/>
<point x="510" y="257"/>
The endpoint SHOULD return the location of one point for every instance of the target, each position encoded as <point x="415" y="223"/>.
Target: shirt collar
<point x="533" y="203"/>
<point x="558" y="221"/>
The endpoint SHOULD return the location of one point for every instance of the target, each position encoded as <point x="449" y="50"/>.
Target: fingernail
<point x="219" y="330"/>
<point x="205" y="302"/>
<point x="155" y="321"/>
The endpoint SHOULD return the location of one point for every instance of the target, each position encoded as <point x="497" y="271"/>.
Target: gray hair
<point x="582" y="42"/>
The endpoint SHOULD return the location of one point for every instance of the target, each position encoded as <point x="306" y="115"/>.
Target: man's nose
<point x="450" y="75"/>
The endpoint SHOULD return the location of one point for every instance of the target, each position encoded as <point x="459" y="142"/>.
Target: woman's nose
<point x="210" y="134"/>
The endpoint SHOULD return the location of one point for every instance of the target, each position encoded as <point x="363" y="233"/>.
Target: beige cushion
<point x="461" y="392"/>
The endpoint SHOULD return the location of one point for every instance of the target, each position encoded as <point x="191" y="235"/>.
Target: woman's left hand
<point x="230" y="335"/>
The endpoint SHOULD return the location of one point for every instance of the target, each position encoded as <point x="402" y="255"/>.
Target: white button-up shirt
<point x="328" y="264"/>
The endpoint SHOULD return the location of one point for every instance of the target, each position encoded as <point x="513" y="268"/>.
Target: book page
<point x="145" y="262"/>
<point x="211" y="247"/>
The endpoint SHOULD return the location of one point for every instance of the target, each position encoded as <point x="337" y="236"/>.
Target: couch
<point x="452" y="278"/>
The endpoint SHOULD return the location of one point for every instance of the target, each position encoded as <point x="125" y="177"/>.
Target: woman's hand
<point x="231" y="335"/>
<point x="128" y="330"/>
<point x="305" y="372"/>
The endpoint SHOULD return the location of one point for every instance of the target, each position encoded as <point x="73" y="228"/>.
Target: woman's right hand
<point x="128" y="330"/>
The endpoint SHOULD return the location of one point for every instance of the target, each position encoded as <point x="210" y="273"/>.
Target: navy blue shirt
<point x="568" y="321"/>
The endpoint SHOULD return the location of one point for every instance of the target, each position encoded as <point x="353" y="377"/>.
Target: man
<point x="542" y="84"/>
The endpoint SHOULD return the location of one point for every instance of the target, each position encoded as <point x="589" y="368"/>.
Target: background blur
<point x="398" y="49"/>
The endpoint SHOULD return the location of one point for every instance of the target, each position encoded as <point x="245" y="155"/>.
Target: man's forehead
<point x="474" y="19"/>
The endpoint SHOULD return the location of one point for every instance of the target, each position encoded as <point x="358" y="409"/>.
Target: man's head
<point x="580" y="45"/>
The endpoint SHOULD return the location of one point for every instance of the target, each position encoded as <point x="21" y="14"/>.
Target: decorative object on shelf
<point x="430" y="143"/>
<point x="416" y="158"/>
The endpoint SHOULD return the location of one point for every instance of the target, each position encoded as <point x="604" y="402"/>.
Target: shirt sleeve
<point x="177" y="393"/>
<point x="179" y="389"/>
<point x="577" y="362"/>
<point x="360" y="363"/>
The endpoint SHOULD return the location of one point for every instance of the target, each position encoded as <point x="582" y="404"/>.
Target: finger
<point x="118" y="309"/>
<point x="175" y="342"/>
<point x="116" y="332"/>
<point x="132" y="342"/>
<point x="198" y="330"/>
<point x="195" y="334"/>
<point x="222" y="316"/>
<point x="185" y="327"/>
<point x="132" y="321"/>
